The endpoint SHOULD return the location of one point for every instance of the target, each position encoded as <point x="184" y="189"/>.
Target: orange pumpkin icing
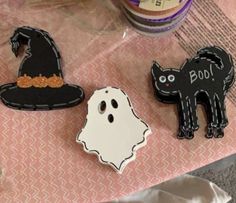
<point x="40" y="81"/>
<point x="24" y="81"/>
<point x="55" y="81"/>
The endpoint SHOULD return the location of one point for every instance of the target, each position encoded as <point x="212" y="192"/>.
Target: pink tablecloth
<point x="38" y="152"/>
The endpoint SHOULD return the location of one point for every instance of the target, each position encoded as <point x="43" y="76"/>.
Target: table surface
<point x="42" y="161"/>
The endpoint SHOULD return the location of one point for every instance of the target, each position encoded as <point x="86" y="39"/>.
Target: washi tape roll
<point x="150" y="13"/>
<point x="161" y="17"/>
<point x="155" y="30"/>
<point x="167" y="17"/>
<point x="159" y="5"/>
<point x="160" y="22"/>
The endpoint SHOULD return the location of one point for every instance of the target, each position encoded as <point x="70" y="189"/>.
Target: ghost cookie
<point x="112" y="129"/>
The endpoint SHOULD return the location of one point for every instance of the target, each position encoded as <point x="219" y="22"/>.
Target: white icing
<point x="114" y="142"/>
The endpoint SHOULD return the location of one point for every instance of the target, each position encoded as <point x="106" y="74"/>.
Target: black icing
<point x="204" y="79"/>
<point x="110" y="118"/>
<point x="114" y="103"/>
<point x="42" y="58"/>
<point x="102" y="107"/>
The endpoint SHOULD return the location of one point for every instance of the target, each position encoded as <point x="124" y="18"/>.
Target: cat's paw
<point x="185" y="133"/>
<point x="190" y="135"/>
<point x="195" y="127"/>
<point x="219" y="133"/>
<point x="180" y="136"/>
<point x="210" y="133"/>
<point x="224" y="123"/>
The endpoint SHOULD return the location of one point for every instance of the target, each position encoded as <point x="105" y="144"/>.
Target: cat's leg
<point x="185" y="124"/>
<point x="221" y="110"/>
<point x="181" y="134"/>
<point x="212" y="116"/>
<point x="192" y="104"/>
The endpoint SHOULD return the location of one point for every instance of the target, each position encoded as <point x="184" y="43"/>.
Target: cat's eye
<point x="171" y="78"/>
<point x="162" y="79"/>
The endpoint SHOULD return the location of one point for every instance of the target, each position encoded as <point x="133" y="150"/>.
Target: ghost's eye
<point x="114" y="103"/>
<point x="171" y="78"/>
<point x="102" y="107"/>
<point x="162" y="79"/>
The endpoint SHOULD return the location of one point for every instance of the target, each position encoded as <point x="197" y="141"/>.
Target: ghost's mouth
<point x="110" y="118"/>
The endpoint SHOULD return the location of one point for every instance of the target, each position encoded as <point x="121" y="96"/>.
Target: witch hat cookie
<point x="40" y="84"/>
<point x="204" y="79"/>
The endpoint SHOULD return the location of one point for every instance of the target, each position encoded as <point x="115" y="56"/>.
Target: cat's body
<point x="203" y="79"/>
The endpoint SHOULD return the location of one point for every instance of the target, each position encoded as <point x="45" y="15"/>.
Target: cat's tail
<point x="229" y="81"/>
<point x="222" y="60"/>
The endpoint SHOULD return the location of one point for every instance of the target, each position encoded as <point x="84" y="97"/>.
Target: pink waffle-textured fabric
<point x="38" y="152"/>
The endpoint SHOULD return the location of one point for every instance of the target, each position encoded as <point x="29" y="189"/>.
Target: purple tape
<point x="156" y="30"/>
<point x="136" y="2"/>
<point x="154" y="22"/>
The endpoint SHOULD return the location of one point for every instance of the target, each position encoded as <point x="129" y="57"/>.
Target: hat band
<point x="39" y="81"/>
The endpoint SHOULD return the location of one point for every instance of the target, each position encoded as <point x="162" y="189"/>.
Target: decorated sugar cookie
<point x="204" y="79"/>
<point x="40" y="84"/>
<point x="112" y="130"/>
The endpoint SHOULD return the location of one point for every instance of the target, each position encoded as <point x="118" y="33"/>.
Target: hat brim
<point x="41" y="98"/>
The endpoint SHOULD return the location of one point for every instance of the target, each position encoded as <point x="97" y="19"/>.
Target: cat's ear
<point x="156" y="69"/>
<point x="186" y="63"/>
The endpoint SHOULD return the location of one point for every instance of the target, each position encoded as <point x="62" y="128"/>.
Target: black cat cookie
<point x="40" y="84"/>
<point x="204" y="79"/>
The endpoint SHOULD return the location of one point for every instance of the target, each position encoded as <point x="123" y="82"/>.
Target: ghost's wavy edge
<point x="127" y="159"/>
<point x="134" y="148"/>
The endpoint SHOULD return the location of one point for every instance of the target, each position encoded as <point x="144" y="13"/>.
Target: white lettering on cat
<point x="193" y="76"/>
<point x="205" y="74"/>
